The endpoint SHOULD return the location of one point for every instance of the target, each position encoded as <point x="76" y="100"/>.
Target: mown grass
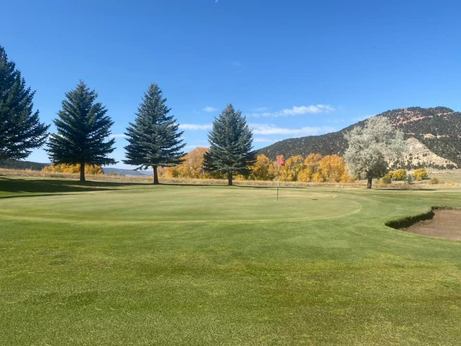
<point x="110" y="263"/>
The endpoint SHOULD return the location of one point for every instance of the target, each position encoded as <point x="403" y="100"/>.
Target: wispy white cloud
<point x="195" y="127"/>
<point x="266" y="129"/>
<point x="210" y="109"/>
<point x="311" y="109"/>
<point x="295" y="111"/>
<point x="118" y="135"/>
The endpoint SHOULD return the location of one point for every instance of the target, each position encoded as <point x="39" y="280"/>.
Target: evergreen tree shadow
<point x="404" y="189"/>
<point x="50" y="186"/>
<point x="224" y="184"/>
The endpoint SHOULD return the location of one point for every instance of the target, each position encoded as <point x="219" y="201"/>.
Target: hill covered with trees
<point x="17" y="164"/>
<point x="432" y="136"/>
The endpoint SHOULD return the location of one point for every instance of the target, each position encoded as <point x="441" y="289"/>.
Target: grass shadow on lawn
<point x="404" y="189"/>
<point x="235" y="186"/>
<point x="51" y="186"/>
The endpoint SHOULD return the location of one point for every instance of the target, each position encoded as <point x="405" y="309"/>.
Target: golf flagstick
<point x="280" y="162"/>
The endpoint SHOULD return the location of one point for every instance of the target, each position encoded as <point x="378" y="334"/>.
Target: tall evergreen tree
<point x="154" y="139"/>
<point x="231" y="144"/>
<point x="20" y="128"/>
<point x="82" y="130"/>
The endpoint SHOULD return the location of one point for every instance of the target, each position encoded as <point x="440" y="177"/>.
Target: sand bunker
<point x="446" y="223"/>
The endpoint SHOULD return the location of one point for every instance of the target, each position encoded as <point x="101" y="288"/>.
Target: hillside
<point x="125" y="172"/>
<point x="432" y="135"/>
<point x="36" y="166"/>
<point x="15" y="164"/>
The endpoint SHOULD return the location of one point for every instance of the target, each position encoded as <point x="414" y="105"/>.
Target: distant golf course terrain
<point x="106" y="263"/>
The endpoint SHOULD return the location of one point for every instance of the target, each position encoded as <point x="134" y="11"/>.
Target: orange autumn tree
<point x="310" y="171"/>
<point x="333" y="169"/>
<point x="293" y="166"/>
<point x="314" y="168"/>
<point x="317" y="168"/>
<point x="263" y="168"/>
<point x="71" y="169"/>
<point x="191" y="166"/>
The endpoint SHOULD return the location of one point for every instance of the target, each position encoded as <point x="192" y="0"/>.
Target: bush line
<point x="411" y="220"/>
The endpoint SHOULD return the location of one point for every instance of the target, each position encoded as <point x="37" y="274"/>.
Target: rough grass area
<point x="115" y="264"/>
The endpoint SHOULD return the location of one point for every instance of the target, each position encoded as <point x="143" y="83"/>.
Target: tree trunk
<point x="82" y="172"/>
<point x="155" y="182"/>
<point x="369" y="183"/>
<point x="229" y="178"/>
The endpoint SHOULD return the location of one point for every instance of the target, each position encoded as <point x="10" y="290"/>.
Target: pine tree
<point x="20" y="128"/>
<point x="154" y="139"/>
<point x="231" y="143"/>
<point x="82" y="130"/>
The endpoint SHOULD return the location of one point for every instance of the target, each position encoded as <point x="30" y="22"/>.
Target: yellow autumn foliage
<point x="71" y="169"/>
<point x="293" y="166"/>
<point x="399" y="174"/>
<point x="263" y="168"/>
<point x="313" y="168"/>
<point x="191" y="166"/>
<point x="420" y="174"/>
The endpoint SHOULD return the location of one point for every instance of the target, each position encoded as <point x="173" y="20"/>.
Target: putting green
<point x="128" y="264"/>
<point x="182" y="205"/>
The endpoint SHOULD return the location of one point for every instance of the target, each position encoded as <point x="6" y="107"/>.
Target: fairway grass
<point x="107" y="263"/>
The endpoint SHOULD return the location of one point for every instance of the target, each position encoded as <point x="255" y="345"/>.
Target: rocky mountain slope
<point x="433" y="137"/>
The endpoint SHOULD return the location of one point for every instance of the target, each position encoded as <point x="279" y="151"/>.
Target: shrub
<point x="420" y="174"/>
<point x="386" y="179"/>
<point x="398" y="175"/>
<point x="435" y="181"/>
<point x="409" y="179"/>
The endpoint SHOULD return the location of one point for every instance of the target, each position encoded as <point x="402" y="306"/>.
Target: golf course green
<point x="116" y="264"/>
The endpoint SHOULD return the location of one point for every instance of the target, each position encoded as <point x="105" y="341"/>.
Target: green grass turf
<point x="121" y="264"/>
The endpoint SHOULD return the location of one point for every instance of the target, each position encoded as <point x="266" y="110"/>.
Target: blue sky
<point x="294" y="68"/>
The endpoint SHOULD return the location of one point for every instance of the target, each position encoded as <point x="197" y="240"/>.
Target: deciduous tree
<point x="333" y="168"/>
<point x="372" y="147"/>
<point x="311" y="168"/>
<point x="263" y="168"/>
<point x="192" y="165"/>
<point x="293" y="166"/>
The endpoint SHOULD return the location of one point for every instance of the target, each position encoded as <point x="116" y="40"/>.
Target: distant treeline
<point x="312" y="168"/>
<point x="16" y="164"/>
